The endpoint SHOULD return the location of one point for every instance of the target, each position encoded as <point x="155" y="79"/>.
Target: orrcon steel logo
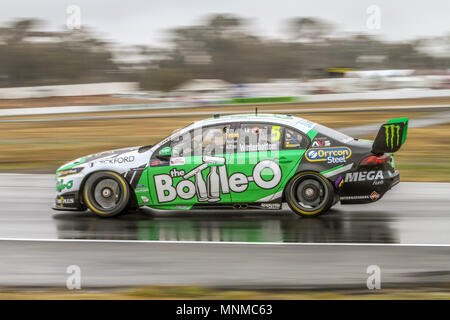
<point x="392" y="135"/>
<point x="331" y="155"/>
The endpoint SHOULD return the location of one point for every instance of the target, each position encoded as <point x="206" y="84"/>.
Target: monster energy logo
<point x="393" y="128"/>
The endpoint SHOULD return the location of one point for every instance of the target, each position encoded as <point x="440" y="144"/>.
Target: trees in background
<point x="222" y="46"/>
<point x="31" y="57"/>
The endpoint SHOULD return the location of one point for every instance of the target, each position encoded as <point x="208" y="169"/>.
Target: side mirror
<point x="165" y="152"/>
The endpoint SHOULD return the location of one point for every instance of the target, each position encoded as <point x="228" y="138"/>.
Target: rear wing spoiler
<point x="391" y="136"/>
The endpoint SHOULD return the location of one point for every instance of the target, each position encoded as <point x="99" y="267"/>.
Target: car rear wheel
<point x="106" y="193"/>
<point x="309" y="194"/>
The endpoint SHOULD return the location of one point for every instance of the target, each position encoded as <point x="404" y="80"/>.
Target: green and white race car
<point x="237" y="161"/>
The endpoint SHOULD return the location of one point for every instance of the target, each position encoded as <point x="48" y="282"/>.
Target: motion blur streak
<point x="234" y="266"/>
<point x="335" y="244"/>
<point x="412" y="213"/>
<point x="89" y="85"/>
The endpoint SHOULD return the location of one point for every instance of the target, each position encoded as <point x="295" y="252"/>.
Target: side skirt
<point x="240" y="206"/>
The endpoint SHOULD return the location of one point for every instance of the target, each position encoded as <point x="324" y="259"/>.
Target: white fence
<point x="390" y="94"/>
<point x="89" y="89"/>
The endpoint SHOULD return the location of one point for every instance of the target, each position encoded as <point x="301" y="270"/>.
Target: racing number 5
<point x="276" y="134"/>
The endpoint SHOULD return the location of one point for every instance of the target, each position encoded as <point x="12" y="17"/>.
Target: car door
<point x="266" y="157"/>
<point x="193" y="172"/>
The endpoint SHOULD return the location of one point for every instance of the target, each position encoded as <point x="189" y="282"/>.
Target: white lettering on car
<point x="116" y="160"/>
<point x="216" y="182"/>
<point x="360" y="176"/>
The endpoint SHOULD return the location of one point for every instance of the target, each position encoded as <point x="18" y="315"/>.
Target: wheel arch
<point x="133" y="199"/>
<point x="325" y="181"/>
<point x="294" y="175"/>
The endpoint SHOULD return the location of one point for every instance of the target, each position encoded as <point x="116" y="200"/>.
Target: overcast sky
<point x="143" y="21"/>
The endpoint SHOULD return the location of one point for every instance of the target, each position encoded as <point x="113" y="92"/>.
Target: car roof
<point x="299" y="123"/>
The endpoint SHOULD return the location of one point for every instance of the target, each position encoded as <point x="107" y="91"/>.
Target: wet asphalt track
<point x="409" y="213"/>
<point x="414" y="217"/>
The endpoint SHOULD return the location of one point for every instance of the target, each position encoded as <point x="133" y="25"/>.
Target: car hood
<point x="111" y="154"/>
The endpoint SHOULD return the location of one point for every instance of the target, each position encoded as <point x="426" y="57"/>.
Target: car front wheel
<point x="309" y="194"/>
<point x="106" y="193"/>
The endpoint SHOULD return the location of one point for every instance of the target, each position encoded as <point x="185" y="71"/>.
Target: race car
<point x="237" y="162"/>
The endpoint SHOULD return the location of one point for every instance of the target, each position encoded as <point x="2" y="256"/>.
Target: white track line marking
<point x="347" y="244"/>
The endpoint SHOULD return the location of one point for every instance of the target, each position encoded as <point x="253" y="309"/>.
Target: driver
<point x="214" y="140"/>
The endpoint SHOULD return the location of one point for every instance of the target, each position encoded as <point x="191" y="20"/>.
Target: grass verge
<point x="200" y="293"/>
<point x="44" y="146"/>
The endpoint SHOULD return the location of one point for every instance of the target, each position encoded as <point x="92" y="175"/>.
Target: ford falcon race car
<point x="237" y="161"/>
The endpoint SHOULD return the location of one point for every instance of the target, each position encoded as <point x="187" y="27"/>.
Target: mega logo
<point x="330" y="155"/>
<point x="216" y="183"/>
<point x="364" y="176"/>
<point x="392" y="135"/>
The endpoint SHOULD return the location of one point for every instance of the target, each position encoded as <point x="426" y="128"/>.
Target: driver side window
<point x="201" y="141"/>
<point x="295" y="140"/>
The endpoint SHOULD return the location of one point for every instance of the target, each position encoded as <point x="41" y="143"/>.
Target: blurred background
<point x="81" y="77"/>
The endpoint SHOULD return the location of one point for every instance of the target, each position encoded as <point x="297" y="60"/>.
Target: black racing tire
<point x="335" y="200"/>
<point x="106" y="194"/>
<point x="309" y="194"/>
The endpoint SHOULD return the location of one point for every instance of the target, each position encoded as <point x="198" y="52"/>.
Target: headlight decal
<point x="64" y="173"/>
